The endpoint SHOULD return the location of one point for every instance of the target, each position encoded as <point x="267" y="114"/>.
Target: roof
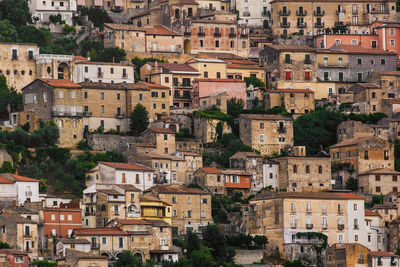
<point x="174" y="67"/>
<point x="220" y="80"/>
<point x="158" y="223"/>
<point x="243" y="66"/>
<point x="305" y="195"/>
<point x="152" y="85"/>
<point x="292" y="91"/>
<point x="132" y="222"/>
<point x="127" y="63"/>
<point x="124" y="27"/>
<point x="175" y="189"/>
<point x="390" y="73"/>
<point x="76" y="254"/>
<point x="350" y="142"/>
<point x="187" y="2"/>
<point x="356" y="49"/>
<point x="162" y="130"/>
<point x="110" y="192"/>
<point x="236" y="172"/>
<point x="62" y="83"/>
<point x="392" y="101"/>
<point x="212" y="170"/>
<point x="114" y="86"/>
<point x="335" y="1"/>
<point x="79" y="58"/>
<point x="154" y="155"/>
<point x="161" y="30"/>
<point x="208" y="60"/>
<point x="15" y="218"/>
<point x="242" y="62"/>
<point x="242" y="154"/>
<point x="151" y="198"/>
<point x="264" y="117"/>
<point x="291" y="48"/>
<point x="382" y="254"/>
<point x="370" y="213"/>
<point x="128" y="187"/>
<point x="99" y="231"/>
<point x="381" y="171"/>
<point x="10" y="178"/>
<point x="364" y="85"/>
<point x="126" y="166"/>
<point x="13" y="251"/>
<point x="73" y="241"/>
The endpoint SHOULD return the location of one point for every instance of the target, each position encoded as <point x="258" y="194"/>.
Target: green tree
<point x="7" y="166"/>
<point x="257" y="83"/>
<point x="110" y="54"/>
<point x="42" y="186"/>
<point x="260" y="240"/>
<point x="9" y="99"/>
<point x="352" y="184"/>
<point x="202" y="258"/>
<point x="16" y="11"/>
<point x="4" y="245"/>
<point x="46" y="135"/>
<point x="44" y="263"/>
<point x="127" y="259"/>
<point x="138" y="120"/>
<point x="88" y="45"/>
<point x="96" y="15"/>
<point x="8" y="33"/>
<point x="235" y="106"/>
<point x="31" y="34"/>
<point x="295" y="263"/>
<point x="215" y="239"/>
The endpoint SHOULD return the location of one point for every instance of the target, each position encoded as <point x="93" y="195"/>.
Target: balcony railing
<point x="217" y="34"/>
<point x="319" y="25"/>
<point x="243" y="35"/>
<point x="28" y="234"/>
<point x="309" y="226"/>
<point x="284" y="13"/>
<point x="265" y="13"/>
<point x="302" y="25"/>
<point x="99" y="74"/>
<point x="28" y="193"/>
<point x="232" y="35"/>
<point x="120" y="116"/>
<point x="294" y="225"/>
<point x="301" y="13"/>
<point x="356" y="226"/>
<point x="287" y="61"/>
<point x="187" y="34"/>
<point x="246" y="14"/>
<point x="324" y="227"/>
<point x="307" y="61"/>
<point x="285" y="25"/>
<point x="201" y="34"/>
<point x="67" y="114"/>
<point x="281" y="129"/>
<point x="320" y="14"/>
<point x="90" y="213"/>
<point x="340" y="226"/>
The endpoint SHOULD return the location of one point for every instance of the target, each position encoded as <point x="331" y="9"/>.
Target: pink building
<point x="14" y="258"/>
<point x="206" y="87"/>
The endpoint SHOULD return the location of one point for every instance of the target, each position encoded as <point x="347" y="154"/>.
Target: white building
<point x="121" y="173"/>
<point x="376" y="234"/>
<point x="253" y="13"/>
<point x="43" y="9"/>
<point x="356" y="227"/>
<point x="50" y="201"/>
<point x="270" y="173"/>
<point x="383" y="258"/>
<point x="106" y="72"/>
<point x="68" y="243"/>
<point x="19" y="188"/>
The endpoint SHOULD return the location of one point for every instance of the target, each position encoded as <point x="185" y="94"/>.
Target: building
<point x="14" y="258"/>
<point x="252" y="163"/>
<point x="355" y="129"/>
<point x="378" y="181"/>
<point x="18" y="63"/>
<point x="211" y="179"/>
<point x="71" y="243"/>
<point x="153" y="208"/>
<point x="312" y="17"/>
<point x="59" y="222"/>
<point x="74" y="257"/>
<point x="266" y="133"/>
<point x="205" y="126"/>
<point x="209" y="68"/>
<point x="270" y="173"/>
<point x="162" y="138"/>
<point x="254" y="14"/>
<point x="18" y="188"/>
<point x="66" y="10"/>
<point x="104" y="72"/>
<point x="55" y="100"/>
<point x="237" y="181"/>
<point x="382" y="258"/>
<point x="304" y="174"/>
<point x="163" y="40"/>
<point x="376" y="232"/>
<point x="179" y="77"/>
<point x="283" y="216"/>
<point x="121" y="173"/>
<point x="351" y="254"/>
<point x="296" y="101"/>
<point x="124" y="36"/>
<point x="191" y="207"/>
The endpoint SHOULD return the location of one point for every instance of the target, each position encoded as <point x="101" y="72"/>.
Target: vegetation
<point x="96" y="15"/>
<point x="281" y="110"/>
<point x="10" y="100"/>
<point x="4" y="245"/>
<point x="257" y="83"/>
<point x="183" y="134"/>
<point x="396" y="154"/>
<point x="44" y="263"/>
<point x="242" y="241"/>
<point x="235" y="106"/>
<point x="138" y="120"/>
<point x="295" y="263"/>
<point x="352" y="184"/>
<point x="376" y="199"/>
<point x="139" y="62"/>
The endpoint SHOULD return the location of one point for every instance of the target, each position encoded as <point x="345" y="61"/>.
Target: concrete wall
<point x="109" y="142"/>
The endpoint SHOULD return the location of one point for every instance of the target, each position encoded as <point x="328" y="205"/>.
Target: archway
<point x="186" y="46"/>
<point x="106" y="254"/>
<point x="139" y="256"/>
<point x="63" y="71"/>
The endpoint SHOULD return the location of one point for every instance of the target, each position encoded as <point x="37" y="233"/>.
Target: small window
<point x="383" y="61"/>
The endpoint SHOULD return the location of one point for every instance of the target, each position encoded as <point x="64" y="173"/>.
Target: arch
<point x="186" y="46"/>
<point x="116" y="253"/>
<point x="139" y="255"/>
<point x="106" y="253"/>
<point x="177" y="14"/>
<point x="63" y="71"/>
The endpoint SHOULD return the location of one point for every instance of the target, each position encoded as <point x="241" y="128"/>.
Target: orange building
<point x="61" y="221"/>
<point x="237" y="180"/>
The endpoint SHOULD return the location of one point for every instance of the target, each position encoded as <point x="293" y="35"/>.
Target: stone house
<point x="81" y="258"/>
<point x="354" y="129"/>
<point x="296" y="101"/>
<point x="13" y="257"/>
<point x="252" y="163"/>
<point x="360" y="154"/>
<point x="281" y="215"/>
<point x="63" y="244"/>
<point x="236" y="180"/>
<point x="218" y="99"/>
<point x="351" y="254"/>
<point x="104" y="72"/>
<point x="379" y="181"/>
<point x="270" y="173"/>
<point x="392" y="124"/>
<point x="209" y="68"/>
<point x="162" y="39"/>
<point x="191" y="207"/>
<point x="304" y="174"/>
<point x="266" y="133"/>
<point x="67" y="10"/>
<point x="205" y="128"/>
<point x="128" y="37"/>
<point x="311" y="17"/>
<point x="121" y="173"/>
<point x="59" y="101"/>
<point x="254" y="13"/>
<point x="240" y="69"/>
<point x="162" y="138"/>
<point x="382" y="258"/>
<point x="377" y="233"/>
<point x="194" y="161"/>
<point x="210" y="178"/>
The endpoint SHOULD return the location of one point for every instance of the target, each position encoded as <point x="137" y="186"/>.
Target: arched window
<point x="177" y="15"/>
<point x="319" y="169"/>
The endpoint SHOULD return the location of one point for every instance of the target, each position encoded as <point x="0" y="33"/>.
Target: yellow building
<point x="153" y="208"/>
<point x="209" y="68"/>
<point x="240" y="69"/>
<point x="296" y="101"/>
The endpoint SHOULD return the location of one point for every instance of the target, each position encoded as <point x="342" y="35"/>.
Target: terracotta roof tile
<point x="219" y="80"/>
<point x="264" y="117"/>
<point x="152" y="85"/>
<point x="392" y="101"/>
<point x="174" y="189"/>
<point x="10" y="178"/>
<point x="126" y="166"/>
<point x="355" y="49"/>
<point x="382" y="254"/>
<point x="370" y="213"/>
<point x="60" y="83"/>
<point x="99" y="231"/>
<point x="242" y="62"/>
<point x="125" y="27"/>
<point x="211" y="170"/>
<point x="242" y="154"/>
<point x="174" y="67"/>
<point x="292" y="48"/>
<point x="243" y="66"/>
<point x="161" y="30"/>
<point x="79" y="58"/>
<point x="292" y="91"/>
<point x="188" y="2"/>
<point x="128" y="187"/>
<point x="4" y="180"/>
<point x="110" y="192"/>
<point x="132" y="222"/>
<point x="349" y="195"/>
<point x="73" y="241"/>
<point x="380" y="171"/>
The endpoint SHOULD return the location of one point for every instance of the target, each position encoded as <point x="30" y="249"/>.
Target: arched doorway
<point x="139" y="256"/>
<point x="186" y="46"/>
<point x="106" y="254"/>
<point x="63" y="71"/>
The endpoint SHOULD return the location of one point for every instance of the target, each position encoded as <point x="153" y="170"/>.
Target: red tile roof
<point x="161" y="30"/>
<point x="370" y="213"/>
<point x="132" y="222"/>
<point x="382" y="254"/>
<point x="79" y="58"/>
<point x="349" y="195"/>
<point x="220" y="80"/>
<point x="162" y="130"/>
<point x="242" y="62"/>
<point x="99" y="231"/>
<point x="4" y="180"/>
<point x="211" y="170"/>
<point x="10" y="178"/>
<point x="187" y="2"/>
<point x="176" y="67"/>
<point x="291" y="91"/>
<point x="61" y="83"/>
<point x="392" y="101"/>
<point x="105" y="63"/>
<point x="126" y="166"/>
<point x="355" y="49"/>
<point x="174" y="189"/>
<point x="243" y="66"/>
<point x="152" y="85"/>
<point x="292" y="48"/>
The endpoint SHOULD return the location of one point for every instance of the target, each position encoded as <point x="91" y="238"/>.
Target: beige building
<point x="266" y="133"/>
<point x="210" y="178"/>
<point x="354" y="129"/>
<point x="379" y="181"/>
<point x="304" y="174"/>
<point x="128" y="37"/>
<point x="296" y="101"/>
<point x="282" y="216"/>
<point x="252" y="163"/>
<point x="191" y="207"/>
<point x="162" y="138"/>
<point x="205" y="128"/>
<point x="209" y="68"/>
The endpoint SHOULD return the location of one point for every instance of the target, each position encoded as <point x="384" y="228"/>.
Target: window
<point x="201" y="43"/>
<point x="292" y="207"/>
<point x="218" y="75"/>
<point x="206" y="74"/>
<point x="295" y="168"/>
<point x="391" y="31"/>
<point x="232" y="44"/>
<point x="174" y="200"/>
<point x="69" y="217"/>
<point x="366" y="154"/>
<point x="319" y="169"/>
<point x="121" y="242"/>
<point x="323" y="207"/>
<point x="373" y="44"/>
<point x="359" y="77"/>
<point x="62" y="217"/>
<point x="174" y="213"/>
<point x="261" y="125"/>
<point x="377" y="177"/>
<point x="61" y="94"/>
<point x="14" y="54"/>
<point x="140" y="97"/>
<point x="394" y="178"/>
<point x="383" y="61"/>
<point x="189" y="214"/>
<point x="355" y="206"/>
<point x="189" y="200"/>
<point x="137" y="179"/>
<point x="326" y="76"/>
<point x="104" y="240"/>
<point x="118" y="96"/>
<point x="378" y="189"/>
<point x="102" y="95"/>
<point x="261" y="138"/>
<point x="392" y="42"/>
<point x="102" y="108"/>
<point x="359" y="61"/>
<point x="288" y="75"/>
<point x="307" y="169"/>
<point x="53" y="217"/>
<point x="216" y="43"/>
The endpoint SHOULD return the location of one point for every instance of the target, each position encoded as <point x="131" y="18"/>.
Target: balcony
<point x="120" y="116"/>
<point x="244" y="35"/>
<point x="99" y="74"/>
<point x="333" y="65"/>
<point x="232" y="35"/>
<point x="281" y="129"/>
<point x="184" y="97"/>
<point x="294" y="225"/>
<point x="340" y="12"/>
<point x="287" y="61"/>
<point x="356" y="226"/>
<point x="309" y="226"/>
<point x="265" y="13"/>
<point x="87" y="114"/>
<point x="319" y="25"/>
<point x="201" y="34"/>
<point x="28" y="193"/>
<point x="27" y="234"/>
<point x="90" y="213"/>
<point x="301" y="13"/>
<point x="217" y="34"/>
<point x="324" y="227"/>
<point x="66" y="114"/>
<point x="246" y="14"/>
<point x="340" y="226"/>
<point x="302" y="25"/>
<point x="187" y="34"/>
<point x="285" y="25"/>
<point x="284" y="13"/>
<point x="94" y="245"/>
<point x="125" y="76"/>
<point x="307" y="61"/>
<point x="319" y="14"/>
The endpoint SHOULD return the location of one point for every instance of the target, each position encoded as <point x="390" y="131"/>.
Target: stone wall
<point x="4" y="156"/>
<point x="244" y="256"/>
<point x="107" y="142"/>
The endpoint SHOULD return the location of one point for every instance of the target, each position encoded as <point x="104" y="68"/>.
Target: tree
<point x="7" y="166"/>
<point x="44" y="263"/>
<point x="4" y="245"/>
<point x="110" y="54"/>
<point x="139" y="120"/>
<point x="201" y="258"/>
<point x="88" y="45"/>
<point x="9" y="99"/>
<point x="46" y="135"/>
<point x="352" y="184"/>
<point x="235" y="106"/>
<point x="96" y="15"/>
<point x="16" y="11"/>
<point x="257" y="83"/>
<point x="260" y="241"/>
<point x="295" y="263"/>
<point x="31" y="34"/>
<point x="127" y="259"/>
<point x="193" y="243"/>
<point x="8" y="33"/>
<point x="42" y="186"/>
<point x="214" y="239"/>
